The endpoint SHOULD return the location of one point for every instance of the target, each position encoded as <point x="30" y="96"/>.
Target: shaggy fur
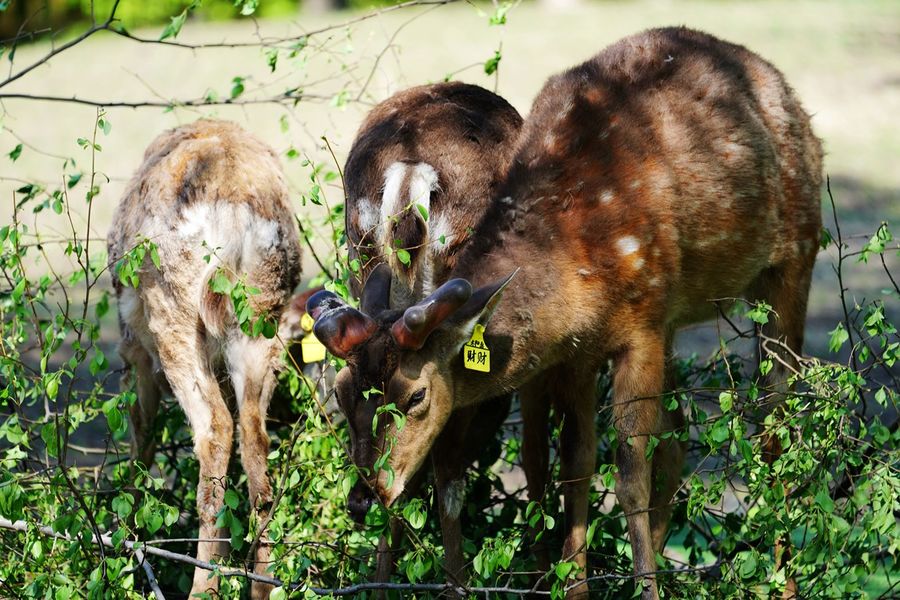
<point x="208" y="182"/>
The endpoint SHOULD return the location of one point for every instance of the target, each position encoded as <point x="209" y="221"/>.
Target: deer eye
<point x="416" y="398"/>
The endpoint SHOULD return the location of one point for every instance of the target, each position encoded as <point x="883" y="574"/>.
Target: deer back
<point x="210" y="196"/>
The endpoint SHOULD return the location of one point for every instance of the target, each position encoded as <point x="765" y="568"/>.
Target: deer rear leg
<point x="535" y="407"/>
<point x="786" y="289"/>
<point x="139" y="366"/>
<point x="388" y="547"/>
<point x="577" y="402"/>
<point x="250" y="367"/>
<point x="449" y="461"/>
<point x="637" y="383"/>
<point x="194" y="385"/>
<point x="668" y="461"/>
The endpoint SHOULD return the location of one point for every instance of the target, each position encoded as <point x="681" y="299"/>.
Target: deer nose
<point x="358" y="502"/>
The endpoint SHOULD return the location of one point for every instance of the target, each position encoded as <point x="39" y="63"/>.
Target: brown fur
<point x="208" y="181"/>
<point x="671" y="169"/>
<point x="465" y="133"/>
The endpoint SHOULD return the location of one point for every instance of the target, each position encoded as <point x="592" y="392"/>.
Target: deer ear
<point x="376" y="294"/>
<point x="339" y="326"/>
<point x="482" y="304"/>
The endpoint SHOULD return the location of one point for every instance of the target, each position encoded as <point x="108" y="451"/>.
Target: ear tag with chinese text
<point x="476" y="355"/>
<point x="311" y="349"/>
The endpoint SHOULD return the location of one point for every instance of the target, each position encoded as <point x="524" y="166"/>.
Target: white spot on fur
<point x="607" y="196"/>
<point x="627" y="245"/>
<point x="453" y="497"/>
<point x="635" y="184"/>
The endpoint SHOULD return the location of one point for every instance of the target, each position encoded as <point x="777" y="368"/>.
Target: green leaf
<point x="726" y="401"/>
<point x="422" y="211"/>
<point x="248" y="7"/>
<point x="98" y="363"/>
<point x="492" y="64"/>
<point x="748" y="566"/>
<point x="154" y="256"/>
<point x="403" y="256"/>
<point x="231" y="499"/>
<point x="272" y="59"/>
<point x="414" y="513"/>
<point x="839" y="335"/>
<point x="760" y="313"/>
<point x="15" y="153"/>
<point x="174" y="27"/>
<point x="278" y="594"/>
<point x="48" y="434"/>
<point x="825" y="501"/>
<point x="122" y="505"/>
<point x="237" y="87"/>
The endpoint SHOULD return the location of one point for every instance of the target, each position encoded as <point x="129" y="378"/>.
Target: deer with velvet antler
<point x="669" y="170"/>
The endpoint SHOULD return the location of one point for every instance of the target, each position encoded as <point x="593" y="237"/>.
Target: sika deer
<point x="208" y="182"/>
<point x="419" y="176"/>
<point x="670" y="169"/>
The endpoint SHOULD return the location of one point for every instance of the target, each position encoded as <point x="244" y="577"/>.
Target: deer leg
<point x="388" y="546"/>
<point x="194" y="385"/>
<point x="143" y="412"/>
<point x="786" y="289"/>
<point x="254" y="382"/>
<point x="535" y="409"/>
<point x="668" y="460"/>
<point x="449" y="463"/>
<point x="637" y="383"/>
<point x="578" y="448"/>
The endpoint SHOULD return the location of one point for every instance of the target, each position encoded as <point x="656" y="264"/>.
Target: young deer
<point x="670" y="169"/>
<point x="419" y="176"/>
<point x="208" y="191"/>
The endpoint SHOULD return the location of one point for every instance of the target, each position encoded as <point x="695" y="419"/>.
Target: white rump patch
<point x="438" y="229"/>
<point x="236" y="235"/>
<point x="422" y="181"/>
<point x="368" y="215"/>
<point x="627" y="245"/>
<point x="390" y="196"/>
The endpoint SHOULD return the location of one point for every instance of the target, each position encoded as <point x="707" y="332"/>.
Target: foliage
<point x="64" y="459"/>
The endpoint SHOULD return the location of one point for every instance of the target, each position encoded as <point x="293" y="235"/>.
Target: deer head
<point x="402" y="359"/>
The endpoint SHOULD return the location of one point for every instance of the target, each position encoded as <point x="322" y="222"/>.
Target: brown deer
<point x="213" y="199"/>
<point x="670" y="169"/>
<point x="420" y="174"/>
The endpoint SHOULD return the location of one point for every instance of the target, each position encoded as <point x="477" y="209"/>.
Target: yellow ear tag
<point x="311" y="349"/>
<point x="476" y="355"/>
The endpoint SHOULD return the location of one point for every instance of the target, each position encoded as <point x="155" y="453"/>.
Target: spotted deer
<point x="213" y="199"/>
<point x="671" y="169"/>
<point x="422" y="170"/>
